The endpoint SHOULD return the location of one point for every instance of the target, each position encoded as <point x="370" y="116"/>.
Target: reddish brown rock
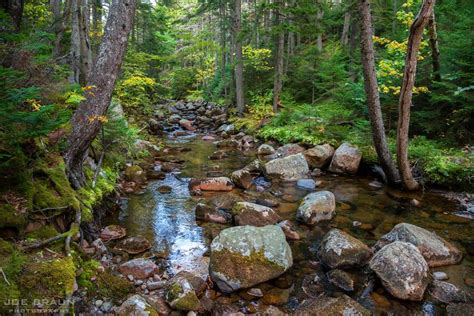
<point x="112" y="232"/>
<point x="139" y="268"/>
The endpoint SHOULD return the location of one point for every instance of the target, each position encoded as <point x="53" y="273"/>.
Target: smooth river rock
<point x="246" y="213"/>
<point x="346" y="159"/>
<point x="244" y="256"/>
<point x="291" y="168"/>
<point x="211" y="184"/>
<point x="436" y="251"/>
<point x="139" y="268"/>
<point x="319" y="156"/>
<point x="316" y="207"/>
<point x="341" y="250"/>
<point x="402" y="269"/>
<point x="332" y="306"/>
<point x="265" y="150"/>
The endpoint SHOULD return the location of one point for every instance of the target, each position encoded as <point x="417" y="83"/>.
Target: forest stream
<point x="365" y="209"/>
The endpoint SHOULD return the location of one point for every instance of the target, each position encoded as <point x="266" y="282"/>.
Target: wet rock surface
<point x="246" y="213"/>
<point x="290" y="168"/>
<point x="316" y="207"/>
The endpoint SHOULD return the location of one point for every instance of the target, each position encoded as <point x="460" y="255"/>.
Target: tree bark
<point x="406" y="92"/>
<point x="434" y="47"/>
<point x="372" y="93"/>
<point x="319" y="18"/>
<point x="280" y="46"/>
<point x="345" y="28"/>
<point x="86" y="121"/>
<point x="239" y="67"/>
<point x="60" y="19"/>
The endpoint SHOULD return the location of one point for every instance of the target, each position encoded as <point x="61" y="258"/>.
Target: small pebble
<point x="156" y="285"/>
<point x="130" y="277"/>
<point x="138" y="282"/>
<point x="146" y="291"/>
<point x="469" y="282"/>
<point x="98" y="303"/>
<point x="415" y="202"/>
<point x="156" y="277"/>
<point x="106" y="307"/>
<point x="356" y="223"/>
<point x="255" y="292"/>
<point x="440" y="276"/>
<point x="143" y="286"/>
<point x="191" y="313"/>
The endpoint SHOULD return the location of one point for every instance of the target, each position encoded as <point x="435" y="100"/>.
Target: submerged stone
<point x="112" y="232"/>
<point x="316" y="207"/>
<point x="246" y="213"/>
<point x="244" y="256"/>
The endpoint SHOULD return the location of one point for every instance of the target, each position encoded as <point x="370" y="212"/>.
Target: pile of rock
<point x="189" y="116"/>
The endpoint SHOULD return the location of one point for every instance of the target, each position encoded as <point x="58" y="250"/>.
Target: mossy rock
<point x="43" y="232"/>
<point x="9" y="217"/>
<point x="52" y="279"/>
<point x="113" y="287"/>
<point x="51" y="186"/>
<point x="12" y="263"/>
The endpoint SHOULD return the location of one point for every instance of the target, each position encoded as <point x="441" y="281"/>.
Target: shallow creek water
<point x="168" y="221"/>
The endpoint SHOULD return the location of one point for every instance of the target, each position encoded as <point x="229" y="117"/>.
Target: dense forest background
<point x="300" y="76"/>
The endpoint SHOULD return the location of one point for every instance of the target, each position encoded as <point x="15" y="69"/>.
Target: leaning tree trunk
<point x="434" y="47"/>
<point x="345" y="28"/>
<point x="373" y="98"/>
<point x="406" y="92"/>
<point x="280" y="44"/>
<point x="88" y="117"/>
<point x="239" y="66"/>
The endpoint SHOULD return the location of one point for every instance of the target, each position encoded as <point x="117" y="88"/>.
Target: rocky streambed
<point x="220" y="224"/>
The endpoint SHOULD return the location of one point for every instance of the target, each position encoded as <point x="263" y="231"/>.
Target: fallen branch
<point x="4" y="276"/>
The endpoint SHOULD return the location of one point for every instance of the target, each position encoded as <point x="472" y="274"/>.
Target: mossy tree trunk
<point x="88" y="117"/>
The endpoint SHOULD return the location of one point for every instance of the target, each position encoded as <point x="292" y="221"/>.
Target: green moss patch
<point x="53" y="279"/>
<point x="43" y="232"/>
<point x="9" y="217"/>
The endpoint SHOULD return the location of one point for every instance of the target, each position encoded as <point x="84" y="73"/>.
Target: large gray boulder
<point x="244" y="256"/>
<point x="319" y="156"/>
<point x="346" y="159"/>
<point x="402" y="269"/>
<point x="290" y="168"/>
<point x="246" y="213"/>
<point x="341" y="250"/>
<point x="436" y="251"/>
<point x="316" y="207"/>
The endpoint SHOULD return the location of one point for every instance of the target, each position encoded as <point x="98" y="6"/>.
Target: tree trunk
<point x="373" y="98"/>
<point x="406" y="91"/>
<point x="86" y="120"/>
<point x="434" y="47"/>
<point x="280" y="46"/>
<point x="345" y="28"/>
<point x="239" y="67"/>
<point x="75" y="40"/>
<point x="319" y="18"/>
<point x="60" y="22"/>
<point x="85" y="45"/>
